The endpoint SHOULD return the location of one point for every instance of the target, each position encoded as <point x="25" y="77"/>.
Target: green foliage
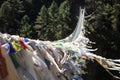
<point x="52" y="23"/>
<point x="26" y="28"/>
<point x="41" y="23"/>
<point x="104" y="26"/>
<point x="53" y="11"/>
<point x="64" y="11"/>
<point x="64" y="18"/>
<point x="42" y="18"/>
<point x="10" y="13"/>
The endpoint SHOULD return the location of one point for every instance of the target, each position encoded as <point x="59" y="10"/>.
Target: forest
<point x="56" y="19"/>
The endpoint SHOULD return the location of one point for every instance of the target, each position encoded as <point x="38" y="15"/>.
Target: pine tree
<point x="59" y="18"/>
<point x="41" y="23"/>
<point x="53" y="23"/>
<point x="46" y="22"/>
<point x="64" y="11"/>
<point x="53" y="11"/>
<point x="104" y="26"/>
<point x="41" y="20"/>
<point x="26" y="29"/>
<point x="64" y="18"/>
<point x="11" y="11"/>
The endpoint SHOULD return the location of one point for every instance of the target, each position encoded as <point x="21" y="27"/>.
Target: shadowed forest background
<point x="56" y="19"/>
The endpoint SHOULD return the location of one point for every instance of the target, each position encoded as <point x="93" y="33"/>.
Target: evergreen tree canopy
<point x="41" y="23"/>
<point x="11" y="11"/>
<point x="52" y="21"/>
<point x="104" y="27"/>
<point x="26" y="28"/>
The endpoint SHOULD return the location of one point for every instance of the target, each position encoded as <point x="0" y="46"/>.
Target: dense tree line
<point x="56" y="19"/>
<point x="104" y="27"/>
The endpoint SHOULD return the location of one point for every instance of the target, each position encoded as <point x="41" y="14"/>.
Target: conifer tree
<point x="104" y="26"/>
<point x="64" y="18"/>
<point x="41" y="23"/>
<point x="26" y="29"/>
<point x="53" y="11"/>
<point x="53" y="23"/>
<point x="11" y="11"/>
